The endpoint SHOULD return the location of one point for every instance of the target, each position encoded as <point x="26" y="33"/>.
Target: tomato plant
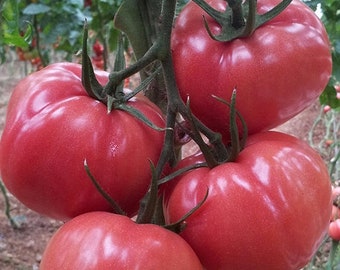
<point x="100" y="240"/>
<point x="261" y="209"/>
<point x="334" y="230"/>
<point x="278" y="71"/>
<point x="52" y="126"/>
<point x="261" y="204"/>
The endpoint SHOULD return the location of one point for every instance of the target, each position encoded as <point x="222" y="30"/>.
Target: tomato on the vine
<point x="334" y="230"/>
<point x="98" y="62"/>
<point x="53" y="126"/>
<point x="100" y="240"/>
<point x="278" y="71"/>
<point x="269" y="209"/>
<point x="98" y="48"/>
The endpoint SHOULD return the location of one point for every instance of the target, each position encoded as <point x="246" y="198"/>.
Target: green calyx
<point x="112" y="94"/>
<point x="240" y="20"/>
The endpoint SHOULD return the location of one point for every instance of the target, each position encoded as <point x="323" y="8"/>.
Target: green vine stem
<point x="116" y="208"/>
<point x="13" y="223"/>
<point x="240" y="20"/>
<point x="160" y="52"/>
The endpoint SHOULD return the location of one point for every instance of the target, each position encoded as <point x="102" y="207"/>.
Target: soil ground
<point x="21" y="249"/>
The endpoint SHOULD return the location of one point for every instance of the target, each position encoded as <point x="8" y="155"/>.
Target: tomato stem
<point x="88" y="77"/>
<point x="240" y="20"/>
<point x="117" y="209"/>
<point x="179" y="225"/>
<point x="237" y="13"/>
<point x="234" y="134"/>
<point x="237" y="143"/>
<point x="148" y="204"/>
<point x="159" y="53"/>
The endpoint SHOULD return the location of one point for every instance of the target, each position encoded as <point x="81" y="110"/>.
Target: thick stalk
<point x="116" y="77"/>
<point x="163" y="53"/>
<point x="237" y="13"/>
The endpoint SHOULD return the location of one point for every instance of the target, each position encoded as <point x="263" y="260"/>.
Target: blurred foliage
<point x="48" y="25"/>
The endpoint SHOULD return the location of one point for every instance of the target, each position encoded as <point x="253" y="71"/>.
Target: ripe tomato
<point x="334" y="230"/>
<point x="100" y="240"/>
<point x="98" y="62"/>
<point x="278" y="71"/>
<point x="98" y="48"/>
<point x="269" y="209"/>
<point x="52" y="126"/>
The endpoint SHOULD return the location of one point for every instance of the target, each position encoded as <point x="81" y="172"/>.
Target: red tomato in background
<point x="269" y="209"/>
<point x="52" y="126"/>
<point x="278" y="71"/>
<point x="100" y="240"/>
<point x="98" y="48"/>
<point x="334" y="230"/>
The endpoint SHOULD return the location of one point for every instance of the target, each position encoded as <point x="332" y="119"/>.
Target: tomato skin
<point x="278" y="71"/>
<point x="98" y="62"/>
<point x="52" y="126"/>
<point x="261" y="210"/>
<point x="100" y="240"/>
<point x="334" y="230"/>
<point x="98" y="48"/>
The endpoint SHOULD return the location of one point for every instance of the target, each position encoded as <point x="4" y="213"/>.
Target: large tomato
<point x="269" y="209"/>
<point x="100" y="240"/>
<point x="278" y="71"/>
<point x="52" y="126"/>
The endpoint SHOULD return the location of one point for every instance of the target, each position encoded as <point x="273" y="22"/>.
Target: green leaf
<point x="328" y="97"/>
<point x="15" y="40"/>
<point x="128" y="19"/>
<point x="134" y="18"/>
<point x="312" y="3"/>
<point x="34" y="9"/>
<point x="9" y="27"/>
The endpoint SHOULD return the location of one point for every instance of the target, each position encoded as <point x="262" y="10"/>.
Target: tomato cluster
<point x="268" y="208"/>
<point x="31" y="55"/>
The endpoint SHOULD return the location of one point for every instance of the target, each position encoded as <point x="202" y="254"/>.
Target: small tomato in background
<point x="98" y="48"/>
<point x="334" y="230"/>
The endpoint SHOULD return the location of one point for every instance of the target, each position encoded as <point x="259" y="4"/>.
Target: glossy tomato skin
<point x="269" y="209"/>
<point x="100" y="240"/>
<point x="278" y="71"/>
<point x="52" y="126"/>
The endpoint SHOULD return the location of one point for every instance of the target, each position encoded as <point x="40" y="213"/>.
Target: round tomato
<point x="98" y="48"/>
<point x="278" y="71"/>
<point x="100" y="240"/>
<point x="53" y="126"/>
<point x="334" y="230"/>
<point x="269" y="209"/>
